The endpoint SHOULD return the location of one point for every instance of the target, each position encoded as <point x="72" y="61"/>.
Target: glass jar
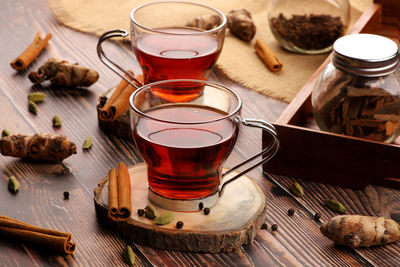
<point x="308" y="26"/>
<point x="358" y="92"/>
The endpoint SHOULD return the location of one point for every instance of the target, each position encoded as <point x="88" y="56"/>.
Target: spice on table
<point x="179" y="224"/>
<point x="66" y="195"/>
<point x="164" y="218"/>
<point x="206" y="211"/>
<point x="119" y="193"/>
<point x="335" y="205"/>
<point x="296" y="189"/>
<point x="308" y="32"/>
<point x="267" y="56"/>
<point x="56" y="121"/>
<point x="361" y="231"/>
<point x="31" y="52"/>
<point x="317" y="216"/>
<point x="13" y="184"/>
<point x="102" y="101"/>
<point x="36" y="97"/>
<point x="140" y="212"/>
<point x="274" y="227"/>
<point x="129" y="256"/>
<point x="241" y="24"/>
<point x="37" y="147"/>
<point x="32" y="107"/>
<point x="201" y="205"/>
<point x="5" y="132"/>
<point x="205" y="22"/>
<point x="264" y="226"/>
<point x="150" y="212"/>
<point x="36" y="236"/>
<point x="62" y="73"/>
<point x="118" y="103"/>
<point x="87" y="144"/>
<point x="291" y="212"/>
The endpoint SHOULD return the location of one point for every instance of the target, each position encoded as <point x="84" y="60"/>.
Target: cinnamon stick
<point x="267" y="56"/>
<point x="40" y="237"/>
<point x="31" y="52"/>
<point x="119" y="194"/>
<point x="113" y="194"/>
<point x="119" y="100"/>
<point x="124" y="192"/>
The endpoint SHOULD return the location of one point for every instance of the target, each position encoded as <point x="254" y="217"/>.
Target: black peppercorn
<point x="317" y="216"/>
<point x="206" y="211"/>
<point x="66" y="195"/>
<point x="179" y="224"/>
<point x="141" y="212"/>
<point x="201" y="206"/>
<point x="274" y="227"/>
<point x="291" y="212"/>
<point x="264" y="226"/>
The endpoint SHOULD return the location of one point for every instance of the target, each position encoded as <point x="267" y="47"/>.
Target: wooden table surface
<point x="40" y="200"/>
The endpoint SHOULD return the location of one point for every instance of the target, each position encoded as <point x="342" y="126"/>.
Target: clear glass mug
<point x="185" y="143"/>
<point x="170" y="44"/>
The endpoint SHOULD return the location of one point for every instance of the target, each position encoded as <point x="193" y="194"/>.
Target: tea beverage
<point x="182" y="53"/>
<point x="184" y="158"/>
<point x="185" y="143"/>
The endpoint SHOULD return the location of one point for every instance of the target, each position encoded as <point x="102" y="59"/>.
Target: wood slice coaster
<point x="232" y="222"/>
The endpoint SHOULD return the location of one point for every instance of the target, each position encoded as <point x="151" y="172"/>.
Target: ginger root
<point x="38" y="147"/>
<point x="205" y="22"/>
<point x="241" y="24"/>
<point x="62" y="73"/>
<point x="361" y="231"/>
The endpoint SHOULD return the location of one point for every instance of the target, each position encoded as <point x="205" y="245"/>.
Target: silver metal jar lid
<point x="367" y="55"/>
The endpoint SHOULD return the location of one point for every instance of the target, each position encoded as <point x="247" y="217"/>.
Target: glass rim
<point x="221" y="26"/>
<point x="236" y="110"/>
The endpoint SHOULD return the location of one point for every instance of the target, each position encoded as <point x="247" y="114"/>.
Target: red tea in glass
<point x="181" y="53"/>
<point x="186" y="143"/>
<point x="184" y="160"/>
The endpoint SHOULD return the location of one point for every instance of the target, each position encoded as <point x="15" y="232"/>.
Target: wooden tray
<point x="308" y="153"/>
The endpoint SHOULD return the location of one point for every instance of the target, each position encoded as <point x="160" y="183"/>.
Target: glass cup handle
<point x="111" y="64"/>
<point x="268" y="152"/>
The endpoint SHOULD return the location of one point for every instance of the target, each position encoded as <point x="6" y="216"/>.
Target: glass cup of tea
<point x="186" y="143"/>
<point x="171" y="41"/>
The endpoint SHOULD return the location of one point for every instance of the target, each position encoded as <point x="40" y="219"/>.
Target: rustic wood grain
<point x="40" y="200"/>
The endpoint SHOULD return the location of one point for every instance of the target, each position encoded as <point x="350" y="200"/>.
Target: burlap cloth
<point x="238" y="60"/>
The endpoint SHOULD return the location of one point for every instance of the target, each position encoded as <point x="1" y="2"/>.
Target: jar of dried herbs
<point x="308" y="26"/>
<point x="358" y="92"/>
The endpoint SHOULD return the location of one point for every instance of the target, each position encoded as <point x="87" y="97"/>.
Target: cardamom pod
<point x="150" y="212"/>
<point x="13" y="184"/>
<point x="164" y="218"/>
<point x="32" y="107"/>
<point x="36" y="97"/>
<point x="56" y="121"/>
<point x="87" y="144"/>
<point x="297" y="190"/>
<point x="335" y="206"/>
<point x="129" y="256"/>
<point x="5" y="132"/>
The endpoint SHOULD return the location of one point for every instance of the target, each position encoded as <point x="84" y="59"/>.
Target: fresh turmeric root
<point x="361" y="231"/>
<point x="205" y="22"/>
<point x="62" y="73"/>
<point x="38" y="147"/>
<point x="241" y="24"/>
